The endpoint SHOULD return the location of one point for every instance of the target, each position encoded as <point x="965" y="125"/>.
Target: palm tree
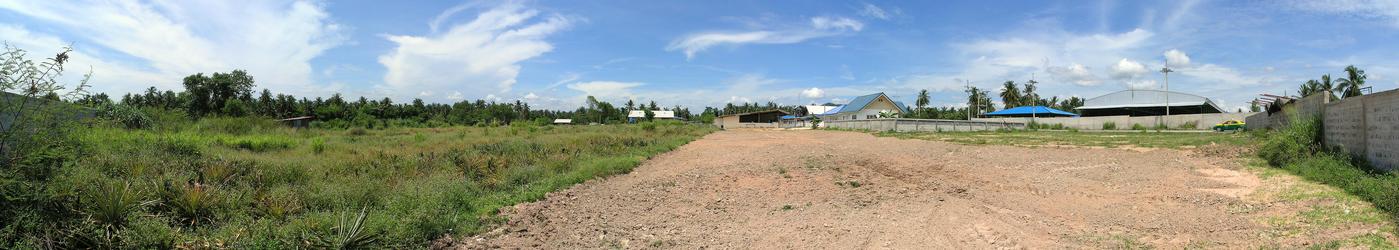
<point x="1354" y="81"/>
<point x="1326" y="85"/>
<point x="1030" y="98"/>
<point x="1010" y="95"/>
<point x="1310" y="87"/>
<point x="922" y="103"/>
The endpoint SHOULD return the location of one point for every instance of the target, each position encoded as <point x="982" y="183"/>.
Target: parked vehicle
<point x="1229" y="125"/>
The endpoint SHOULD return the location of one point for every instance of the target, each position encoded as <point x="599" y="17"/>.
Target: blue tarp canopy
<point x="1029" y="111"/>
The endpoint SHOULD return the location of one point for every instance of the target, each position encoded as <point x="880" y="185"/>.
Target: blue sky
<point x="707" y="53"/>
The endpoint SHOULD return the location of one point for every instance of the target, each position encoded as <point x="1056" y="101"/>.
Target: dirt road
<point x="810" y="189"/>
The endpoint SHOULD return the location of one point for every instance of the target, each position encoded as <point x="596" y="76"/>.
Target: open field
<point x="829" y="189"/>
<point x="252" y="183"/>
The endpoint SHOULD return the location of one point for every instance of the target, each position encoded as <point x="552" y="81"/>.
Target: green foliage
<point x="1298" y="149"/>
<point x="257" y="143"/>
<point x="318" y="145"/>
<point x="1109" y="126"/>
<point x="1190" y="125"/>
<point x="1138" y="126"/>
<point x="130" y="117"/>
<point x="111" y="204"/>
<point x="235" y="125"/>
<point x="348" y="234"/>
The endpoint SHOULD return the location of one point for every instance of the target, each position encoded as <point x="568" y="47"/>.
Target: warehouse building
<point x="760" y="119"/>
<point x="1147" y="103"/>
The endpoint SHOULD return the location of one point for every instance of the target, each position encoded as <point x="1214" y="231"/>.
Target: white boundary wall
<point x="926" y="125"/>
<point x="1202" y="121"/>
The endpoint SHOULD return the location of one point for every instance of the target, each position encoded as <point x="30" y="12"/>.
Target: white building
<point x="866" y="107"/>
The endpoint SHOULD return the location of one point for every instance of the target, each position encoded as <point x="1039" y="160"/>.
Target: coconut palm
<point x="1354" y="81"/>
<point x="1308" y="88"/>
<point x="922" y="103"/>
<point x="1010" y="94"/>
<point x="1325" y="86"/>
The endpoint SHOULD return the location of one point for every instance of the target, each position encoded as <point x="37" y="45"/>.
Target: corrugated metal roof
<point x="860" y="102"/>
<point x="1031" y="110"/>
<point x="1145" y="98"/>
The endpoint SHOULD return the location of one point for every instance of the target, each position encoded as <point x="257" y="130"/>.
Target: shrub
<point x="648" y="126"/>
<point x="358" y="131"/>
<point x="1298" y="149"/>
<point x="318" y="145"/>
<point x="1137" y="126"/>
<point x="235" y="125"/>
<point x="1109" y="126"/>
<point x="1190" y="125"/>
<point x="181" y="144"/>
<point x="111" y="204"/>
<point x="127" y="116"/>
<point x="260" y="143"/>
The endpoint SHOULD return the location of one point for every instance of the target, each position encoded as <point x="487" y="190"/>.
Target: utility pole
<point x="1166" y="74"/>
<point x="973" y="99"/>
<point x="1034" y="101"/>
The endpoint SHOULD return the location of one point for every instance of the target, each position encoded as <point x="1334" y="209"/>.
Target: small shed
<point x="760" y="119"/>
<point x="298" y="122"/>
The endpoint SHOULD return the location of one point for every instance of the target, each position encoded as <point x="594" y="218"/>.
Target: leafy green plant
<point x="1109" y="126"/>
<point x="318" y="145"/>
<point x="348" y="233"/>
<point x="111" y="204"/>
<point x="130" y="117"/>
<point x="1138" y="126"/>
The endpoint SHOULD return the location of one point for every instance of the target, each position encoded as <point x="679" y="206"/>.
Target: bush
<point x="1190" y="125"/>
<point x="235" y="125"/>
<point x="1136" y="126"/>
<point x="318" y="145"/>
<point x="1298" y="149"/>
<point x="181" y="144"/>
<point x="1109" y="126"/>
<point x="260" y="143"/>
<point x="127" y="116"/>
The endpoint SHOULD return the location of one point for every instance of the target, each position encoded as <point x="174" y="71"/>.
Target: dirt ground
<point x="828" y="189"/>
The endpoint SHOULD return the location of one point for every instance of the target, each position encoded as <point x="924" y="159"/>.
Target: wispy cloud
<point x="816" y="28"/>
<point x="480" y="57"/>
<point x="873" y="11"/>
<point x="1385" y="10"/>
<point x="159" y="43"/>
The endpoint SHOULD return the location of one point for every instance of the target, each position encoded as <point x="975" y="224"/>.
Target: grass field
<point x="250" y="183"/>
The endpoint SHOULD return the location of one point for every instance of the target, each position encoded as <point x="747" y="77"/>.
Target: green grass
<point x="218" y="184"/>
<point x="1071" y="138"/>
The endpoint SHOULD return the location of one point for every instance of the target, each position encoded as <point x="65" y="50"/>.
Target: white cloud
<point x="873" y="11"/>
<point x="845" y="72"/>
<point x="159" y="43"/>
<point x="1176" y="58"/>
<point x="836" y="23"/>
<point x="480" y="57"/>
<point x="606" y="89"/>
<point x="813" y="93"/>
<point x="1074" y="73"/>
<point x="1126" y="69"/>
<point x="818" y="27"/>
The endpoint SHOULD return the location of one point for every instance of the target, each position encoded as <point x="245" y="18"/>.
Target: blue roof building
<point x="1031" y="111"/>
<point x="866" y="107"/>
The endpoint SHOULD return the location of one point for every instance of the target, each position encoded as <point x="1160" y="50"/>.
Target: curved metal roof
<point x="1134" y="98"/>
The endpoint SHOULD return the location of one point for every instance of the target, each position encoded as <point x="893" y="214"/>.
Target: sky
<point x="553" y="54"/>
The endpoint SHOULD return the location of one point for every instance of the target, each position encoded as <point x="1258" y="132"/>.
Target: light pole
<point x="1166" y="72"/>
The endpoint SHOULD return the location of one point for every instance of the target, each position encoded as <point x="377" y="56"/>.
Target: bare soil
<point x="841" y="190"/>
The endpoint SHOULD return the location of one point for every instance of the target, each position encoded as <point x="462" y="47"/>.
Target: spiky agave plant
<point x="348" y="234"/>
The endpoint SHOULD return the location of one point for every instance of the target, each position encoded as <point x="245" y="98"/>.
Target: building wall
<point x="1364" y="126"/>
<point x="923" y="125"/>
<point x="1202" y="121"/>
<point x="729" y="122"/>
<point x="871" y="110"/>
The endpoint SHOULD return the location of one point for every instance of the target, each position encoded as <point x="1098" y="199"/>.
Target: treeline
<point x="231" y="94"/>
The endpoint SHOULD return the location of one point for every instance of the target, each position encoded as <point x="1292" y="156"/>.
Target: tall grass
<point x="241" y="183"/>
<point x="1298" y="148"/>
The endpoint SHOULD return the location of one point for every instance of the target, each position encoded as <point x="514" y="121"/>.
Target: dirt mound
<point x="809" y="189"/>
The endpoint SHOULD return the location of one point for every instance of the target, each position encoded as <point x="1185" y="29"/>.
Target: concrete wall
<point x="729" y="122"/>
<point x="926" y="125"/>
<point x="1365" y="126"/>
<point x="1202" y="121"/>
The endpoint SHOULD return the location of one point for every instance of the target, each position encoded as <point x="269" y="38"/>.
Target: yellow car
<point x="1229" y="125"/>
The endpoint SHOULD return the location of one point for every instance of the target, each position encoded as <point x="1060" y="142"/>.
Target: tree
<point x="1030" y="98"/>
<point x="1354" y="81"/>
<point x="1308" y="88"/>
<point x="650" y="116"/>
<point x="922" y="103"/>
<point x="1010" y="94"/>
<point x="631" y="105"/>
